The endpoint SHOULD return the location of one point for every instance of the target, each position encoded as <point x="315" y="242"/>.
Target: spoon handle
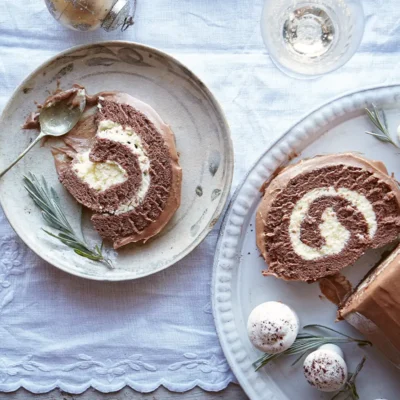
<point x="40" y="136"/>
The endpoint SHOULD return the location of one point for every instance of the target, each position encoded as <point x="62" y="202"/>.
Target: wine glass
<point x="311" y="37"/>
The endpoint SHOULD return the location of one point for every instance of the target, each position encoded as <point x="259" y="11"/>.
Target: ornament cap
<point x="119" y="16"/>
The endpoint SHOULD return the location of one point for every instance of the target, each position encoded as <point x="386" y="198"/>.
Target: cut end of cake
<point x="320" y="215"/>
<point x="374" y="307"/>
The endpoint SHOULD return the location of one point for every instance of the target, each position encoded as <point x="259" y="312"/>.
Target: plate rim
<point x="219" y="324"/>
<point x="225" y="192"/>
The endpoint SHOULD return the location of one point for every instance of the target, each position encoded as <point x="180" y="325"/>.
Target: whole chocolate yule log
<point x="374" y="307"/>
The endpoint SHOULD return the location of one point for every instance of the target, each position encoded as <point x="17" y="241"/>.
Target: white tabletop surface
<point x="220" y="41"/>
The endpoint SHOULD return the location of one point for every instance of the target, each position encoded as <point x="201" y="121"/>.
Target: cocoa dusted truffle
<point x="325" y="368"/>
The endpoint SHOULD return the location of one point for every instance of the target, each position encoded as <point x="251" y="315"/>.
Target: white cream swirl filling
<point x="335" y="234"/>
<point x="101" y="176"/>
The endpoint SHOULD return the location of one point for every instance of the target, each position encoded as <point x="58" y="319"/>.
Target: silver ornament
<point x="88" y="15"/>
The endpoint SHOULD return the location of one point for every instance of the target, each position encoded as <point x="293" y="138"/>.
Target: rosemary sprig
<point x="349" y="391"/>
<point x="378" y="118"/>
<point x="306" y="342"/>
<point x="47" y="200"/>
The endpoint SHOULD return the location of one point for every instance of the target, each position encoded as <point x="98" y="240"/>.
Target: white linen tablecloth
<point x="57" y="330"/>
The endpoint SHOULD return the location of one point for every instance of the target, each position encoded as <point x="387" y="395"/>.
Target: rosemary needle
<point x="378" y="118"/>
<point x="349" y="391"/>
<point x="47" y="200"/>
<point x="306" y="342"/>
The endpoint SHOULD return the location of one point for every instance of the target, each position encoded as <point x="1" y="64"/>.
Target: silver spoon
<point x="56" y="119"/>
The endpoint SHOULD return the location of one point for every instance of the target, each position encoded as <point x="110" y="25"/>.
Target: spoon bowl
<point x="56" y="119"/>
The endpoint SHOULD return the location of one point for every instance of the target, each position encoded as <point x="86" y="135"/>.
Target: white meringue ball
<point x="325" y="368"/>
<point x="272" y="327"/>
<point x="332" y="347"/>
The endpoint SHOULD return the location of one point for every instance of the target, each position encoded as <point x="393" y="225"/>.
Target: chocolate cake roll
<point x="120" y="161"/>
<point x="374" y="307"/>
<point x="322" y="214"/>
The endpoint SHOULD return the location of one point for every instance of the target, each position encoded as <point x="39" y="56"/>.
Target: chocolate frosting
<point x="374" y="306"/>
<point x="163" y="196"/>
<point x="346" y="170"/>
<point x="335" y="288"/>
<point x="72" y="97"/>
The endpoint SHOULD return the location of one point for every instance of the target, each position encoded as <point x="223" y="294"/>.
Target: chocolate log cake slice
<point x="120" y="161"/>
<point x="322" y="214"/>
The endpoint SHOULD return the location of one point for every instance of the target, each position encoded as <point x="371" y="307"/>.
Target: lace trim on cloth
<point x="110" y="376"/>
<point x="104" y="375"/>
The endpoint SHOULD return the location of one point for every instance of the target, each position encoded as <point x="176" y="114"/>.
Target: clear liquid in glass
<point x="308" y="38"/>
<point x="308" y="31"/>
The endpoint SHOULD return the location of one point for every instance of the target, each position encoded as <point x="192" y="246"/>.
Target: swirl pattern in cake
<point x="321" y="215"/>
<point x="121" y="163"/>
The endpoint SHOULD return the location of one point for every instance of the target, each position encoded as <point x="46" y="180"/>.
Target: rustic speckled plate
<point x="182" y="100"/>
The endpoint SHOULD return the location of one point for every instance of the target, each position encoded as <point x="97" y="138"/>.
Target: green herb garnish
<point x="378" y="118"/>
<point x="349" y="391"/>
<point x="47" y="200"/>
<point x="306" y="342"/>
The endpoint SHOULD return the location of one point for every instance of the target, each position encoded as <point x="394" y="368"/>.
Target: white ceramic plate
<point x="237" y="282"/>
<point x="183" y="102"/>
